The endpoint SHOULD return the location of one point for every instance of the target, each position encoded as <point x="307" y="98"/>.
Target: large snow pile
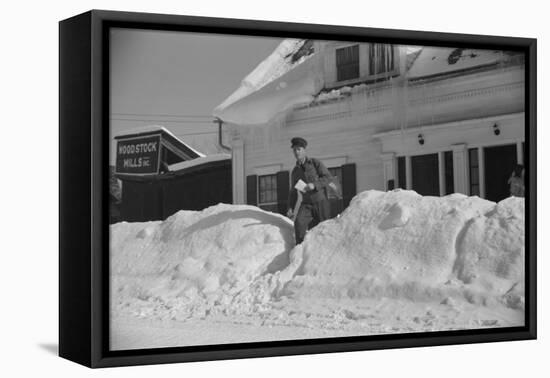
<point x="231" y="259"/>
<point x="195" y="258"/>
<point x="400" y="244"/>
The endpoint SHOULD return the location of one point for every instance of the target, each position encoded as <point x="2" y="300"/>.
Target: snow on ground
<point x="393" y="262"/>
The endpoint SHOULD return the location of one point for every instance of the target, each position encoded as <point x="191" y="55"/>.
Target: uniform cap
<point x="298" y="142"/>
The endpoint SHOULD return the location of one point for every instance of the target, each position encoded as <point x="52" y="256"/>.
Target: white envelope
<point x="301" y="186"/>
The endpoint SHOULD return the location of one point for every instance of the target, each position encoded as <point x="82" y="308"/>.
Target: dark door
<point x="425" y="174"/>
<point x="499" y="164"/>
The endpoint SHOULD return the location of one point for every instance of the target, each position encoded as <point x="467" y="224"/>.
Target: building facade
<point x="161" y="175"/>
<point x="434" y="120"/>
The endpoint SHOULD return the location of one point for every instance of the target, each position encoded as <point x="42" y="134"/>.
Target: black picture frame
<point x="83" y="196"/>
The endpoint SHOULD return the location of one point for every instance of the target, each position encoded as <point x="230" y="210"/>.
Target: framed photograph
<point x="236" y="189"/>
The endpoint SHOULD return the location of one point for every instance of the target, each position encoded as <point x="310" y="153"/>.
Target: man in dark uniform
<point x="315" y="206"/>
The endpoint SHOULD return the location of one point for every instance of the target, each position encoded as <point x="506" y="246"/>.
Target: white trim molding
<point x="268" y="169"/>
<point x="333" y="161"/>
<point x="472" y="132"/>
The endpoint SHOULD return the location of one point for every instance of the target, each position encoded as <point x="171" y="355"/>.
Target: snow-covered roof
<point x="279" y="62"/>
<point x="283" y="79"/>
<point x="199" y="161"/>
<point x="433" y="61"/>
<point x="157" y="128"/>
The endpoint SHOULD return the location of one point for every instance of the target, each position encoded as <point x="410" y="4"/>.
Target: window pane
<point x="267" y="192"/>
<point x="425" y="174"/>
<point x="474" y="171"/>
<point x="473" y="157"/>
<point x="474" y="177"/>
<point x="381" y="58"/>
<point x="449" y="173"/>
<point x="347" y="63"/>
<point x="337" y="176"/>
<point x="401" y="173"/>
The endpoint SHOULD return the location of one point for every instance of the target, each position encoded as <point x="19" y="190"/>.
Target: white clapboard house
<point x="431" y="119"/>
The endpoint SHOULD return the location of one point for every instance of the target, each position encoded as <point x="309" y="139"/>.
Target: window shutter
<point x="283" y="185"/>
<point x="349" y="183"/>
<point x="252" y="190"/>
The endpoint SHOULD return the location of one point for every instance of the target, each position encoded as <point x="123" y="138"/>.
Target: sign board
<point x="138" y="155"/>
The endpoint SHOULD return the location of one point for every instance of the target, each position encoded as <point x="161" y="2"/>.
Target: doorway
<point x="499" y="164"/>
<point x="425" y="174"/>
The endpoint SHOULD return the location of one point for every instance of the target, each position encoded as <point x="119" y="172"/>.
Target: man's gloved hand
<point x="310" y="186"/>
<point x="290" y="213"/>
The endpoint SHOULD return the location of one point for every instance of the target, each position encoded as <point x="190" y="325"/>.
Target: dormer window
<point x="381" y="58"/>
<point x="347" y="63"/>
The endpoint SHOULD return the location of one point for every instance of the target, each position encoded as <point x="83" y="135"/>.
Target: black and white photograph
<point x="270" y="189"/>
<point x="275" y="189"/>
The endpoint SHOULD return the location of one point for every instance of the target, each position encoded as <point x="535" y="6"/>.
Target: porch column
<point x="237" y="171"/>
<point x="519" y="149"/>
<point x="460" y="168"/>
<point x="390" y="168"/>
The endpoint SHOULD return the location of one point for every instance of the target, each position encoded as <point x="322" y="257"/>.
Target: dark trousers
<point x="310" y="215"/>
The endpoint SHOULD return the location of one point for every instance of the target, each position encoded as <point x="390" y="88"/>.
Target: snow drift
<point x="400" y="244"/>
<point x="194" y="256"/>
<point x="233" y="259"/>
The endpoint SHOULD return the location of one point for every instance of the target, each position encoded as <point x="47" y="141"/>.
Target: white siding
<point x="346" y="127"/>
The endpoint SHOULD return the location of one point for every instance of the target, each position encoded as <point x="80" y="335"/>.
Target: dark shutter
<point x="252" y="190"/>
<point x="401" y="172"/>
<point x="349" y="183"/>
<point x="283" y="185"/>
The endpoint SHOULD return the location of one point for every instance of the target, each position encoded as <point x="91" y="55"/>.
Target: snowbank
<point x="239" y="259"/>
<point x="400" y="244"/>
<point x="195" y="256"/>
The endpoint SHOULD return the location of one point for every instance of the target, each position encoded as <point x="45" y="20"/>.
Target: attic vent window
<point x="347" y="63"/>
<point x="381" y="58"/>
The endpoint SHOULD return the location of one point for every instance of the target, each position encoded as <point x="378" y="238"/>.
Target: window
<point x="449" y="173"/>
<point x="381" y="58"/>
<point x="267" y="192"/>
<point x="425" y="174"/>
<point x="336" y="203"/>
<point x="337" y="175"/>
<point x="401" y="173"/>
<point x="347" y="63"/>
<point x="474" y="171"/>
